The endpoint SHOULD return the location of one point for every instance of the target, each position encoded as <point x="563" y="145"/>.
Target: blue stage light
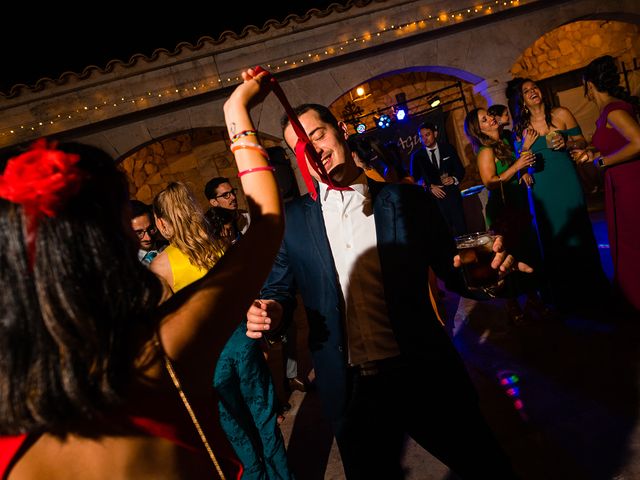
<point x="384" y="121"/>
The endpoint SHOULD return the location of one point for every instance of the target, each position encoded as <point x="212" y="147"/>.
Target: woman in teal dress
<point x="247" y="406"/>
<point x="571" y="259"/>
<point x="507" y="211"/>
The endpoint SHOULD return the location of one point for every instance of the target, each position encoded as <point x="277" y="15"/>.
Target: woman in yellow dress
<point x="247" y="407"/>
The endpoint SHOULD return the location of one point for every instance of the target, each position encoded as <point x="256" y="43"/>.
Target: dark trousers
<point x="435" y="412"/>
<point x="453" y="211"/>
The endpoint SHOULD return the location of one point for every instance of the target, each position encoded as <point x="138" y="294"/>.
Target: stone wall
<point x="574" y="45"/>
<point x="192" y="157"/>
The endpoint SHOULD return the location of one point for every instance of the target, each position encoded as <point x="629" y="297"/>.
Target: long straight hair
<point x="68" y="323"/>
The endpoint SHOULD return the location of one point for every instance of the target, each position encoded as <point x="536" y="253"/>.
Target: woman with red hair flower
<point x="99" y="377"/>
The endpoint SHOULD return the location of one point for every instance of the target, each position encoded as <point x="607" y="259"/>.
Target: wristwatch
<point x="599" y="162"/>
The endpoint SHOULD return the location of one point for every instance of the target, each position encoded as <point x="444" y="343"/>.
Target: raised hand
<point x="525" y="160"/>
<point x="529" y="136"/>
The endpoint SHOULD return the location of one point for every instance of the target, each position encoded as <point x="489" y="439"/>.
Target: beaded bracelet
<point x="243" y="133"/>
<point x="256" y="169"/>
<point x="250" y="146"/>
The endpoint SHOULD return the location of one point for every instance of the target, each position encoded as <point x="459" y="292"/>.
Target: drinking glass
<point x="476" y="255"/>
<point x="552" y="139"/>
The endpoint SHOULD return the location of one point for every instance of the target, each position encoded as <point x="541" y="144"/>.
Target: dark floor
<point x="562" y="395"/>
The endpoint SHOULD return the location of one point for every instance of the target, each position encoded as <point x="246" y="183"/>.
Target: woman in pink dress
<point x="617" y="143"/>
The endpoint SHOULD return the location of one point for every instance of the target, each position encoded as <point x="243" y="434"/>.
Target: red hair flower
<point x="41" y="179"/>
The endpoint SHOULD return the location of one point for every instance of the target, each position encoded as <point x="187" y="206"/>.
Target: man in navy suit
<point x="438" y="168"/>
<point x="359" y="257"/>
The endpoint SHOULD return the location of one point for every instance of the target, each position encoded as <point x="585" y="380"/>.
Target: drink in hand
<point x="476" y="254"/>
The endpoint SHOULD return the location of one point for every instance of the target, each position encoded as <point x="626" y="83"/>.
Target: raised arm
<point x="569" y="122"/>
<point x="629" y="128"/>
<point x="199" y="319"/>
<point x="487" y="168"/>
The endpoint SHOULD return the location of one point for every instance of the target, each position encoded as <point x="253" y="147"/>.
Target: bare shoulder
<point x="108" y="457"/>
<point x="563" y="115"/>
<point x="486" y="155"/>
<point x="162" y="268"/>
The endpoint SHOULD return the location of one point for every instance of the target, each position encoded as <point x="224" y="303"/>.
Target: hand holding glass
<point x="555" y="140"/>
<point x="445" y="179"/>
<point x="476" y="254"/>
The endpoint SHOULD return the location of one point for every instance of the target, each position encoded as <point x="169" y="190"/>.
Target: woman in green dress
<point x="571" y="259"/>
<point x="507" y="211"/>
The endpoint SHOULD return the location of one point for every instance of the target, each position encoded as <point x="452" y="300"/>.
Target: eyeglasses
<point x="227" y="195"/>
<point x="148" y="231"/>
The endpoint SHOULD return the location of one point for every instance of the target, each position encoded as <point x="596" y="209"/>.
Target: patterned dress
<point x="247" y="399"/>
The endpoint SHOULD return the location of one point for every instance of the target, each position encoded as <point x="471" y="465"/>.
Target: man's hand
<point x="263" y="315"/>
<point x="502" y="260"/>
<point x="448" y="180"/>
<point x="437" y="191"/>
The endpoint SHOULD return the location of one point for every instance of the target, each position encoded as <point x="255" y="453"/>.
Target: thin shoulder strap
<point x="176" y="382"/>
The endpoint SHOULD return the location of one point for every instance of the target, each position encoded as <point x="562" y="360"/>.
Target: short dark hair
<point x="496" y="110"/>
<point x="361" y="146"/>
<point x="139" y="208"/>
<point x="212" y="185"/>
<point x="428" y="126"/>
<point x="323" y="112"/>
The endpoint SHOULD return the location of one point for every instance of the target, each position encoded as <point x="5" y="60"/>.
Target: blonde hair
<point x="188" y="229"/>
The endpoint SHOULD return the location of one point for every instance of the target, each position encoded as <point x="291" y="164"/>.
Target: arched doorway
<point x="417" y="88"/>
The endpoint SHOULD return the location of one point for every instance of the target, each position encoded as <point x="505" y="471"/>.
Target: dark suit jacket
<point x="422" y="168"/>
<point x="411" y="236"/>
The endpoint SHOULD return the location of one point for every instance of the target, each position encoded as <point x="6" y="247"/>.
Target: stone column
<point x="493" y="90"/>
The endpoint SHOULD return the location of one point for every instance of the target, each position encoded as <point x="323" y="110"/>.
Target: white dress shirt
<point x="435" y="153"/>
<point x="351" y="230"/>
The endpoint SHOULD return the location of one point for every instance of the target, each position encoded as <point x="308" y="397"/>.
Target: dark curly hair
<point x="603" y="73"/>
<point x="521" y="114"/>
<point x="68" y="323"/>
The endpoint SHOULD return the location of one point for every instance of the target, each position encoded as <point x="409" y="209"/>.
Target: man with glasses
<point x="227" y="220"/>
<point x="149" y="241"/>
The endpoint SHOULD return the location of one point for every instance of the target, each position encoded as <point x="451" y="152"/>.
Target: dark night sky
<point x="49" y="42"/>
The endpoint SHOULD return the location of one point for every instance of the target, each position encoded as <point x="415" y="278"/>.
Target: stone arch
<point x="488" y="49"/>
<point x="416" y="81"/>
<point x="193" y="156"/>
<point x="573" y="45"/>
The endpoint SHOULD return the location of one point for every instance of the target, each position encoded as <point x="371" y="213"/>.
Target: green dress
<point x="505" y="204"/>
<point x="507" y="213"/>
<point x="571" y="260"/>
<point x="243" y="382"/>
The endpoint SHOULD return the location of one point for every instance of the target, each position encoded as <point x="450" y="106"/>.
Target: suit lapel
<point x="384" y="214"/>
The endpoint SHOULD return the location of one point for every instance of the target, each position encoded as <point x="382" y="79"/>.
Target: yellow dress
<point x="182" y="270"/>
<point x="242" y="379"/>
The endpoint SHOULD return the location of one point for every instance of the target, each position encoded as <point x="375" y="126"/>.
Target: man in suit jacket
<point x="359" y="257"/>
<point x="438" y="168"/>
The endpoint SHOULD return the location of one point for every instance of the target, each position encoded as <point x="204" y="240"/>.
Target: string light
<point x="226" y="79"/>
